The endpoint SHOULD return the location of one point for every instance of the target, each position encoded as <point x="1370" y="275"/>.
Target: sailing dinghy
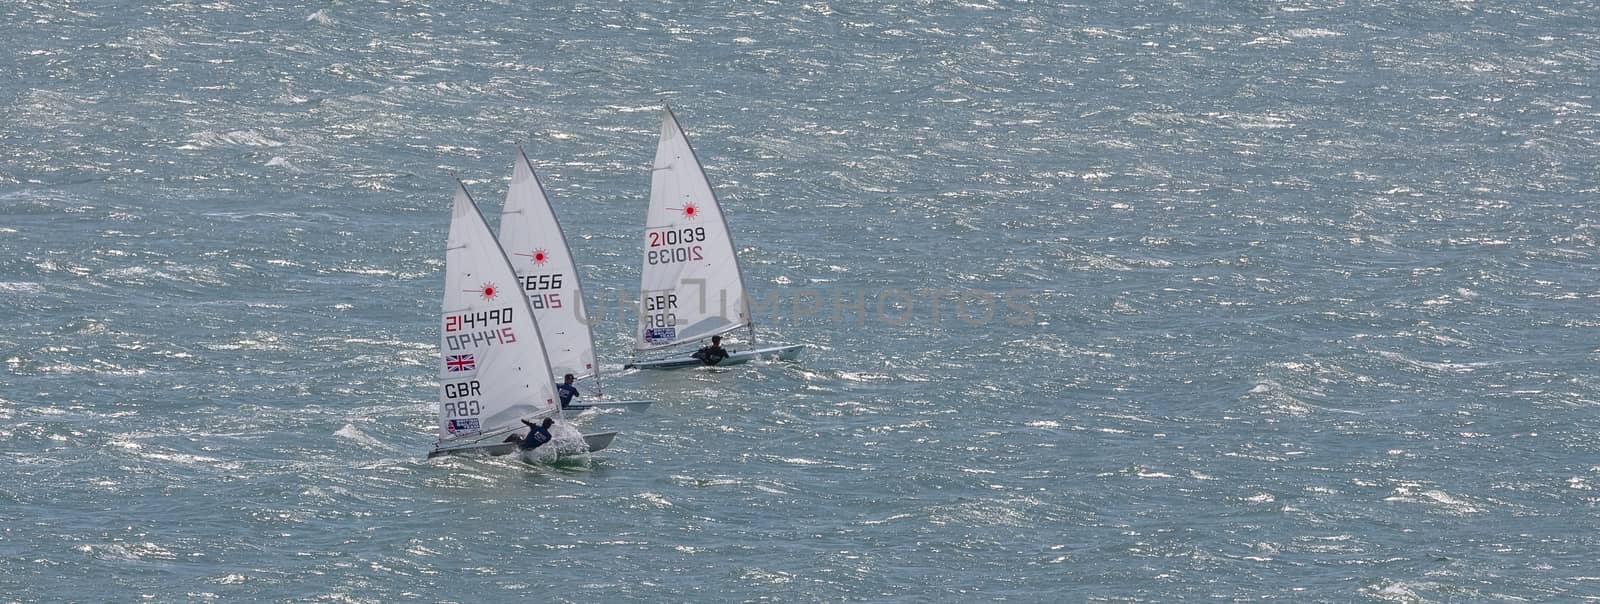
<point x="494" y="371"/>
<point x="691" y="287"/>
<point x="546" y="274"/>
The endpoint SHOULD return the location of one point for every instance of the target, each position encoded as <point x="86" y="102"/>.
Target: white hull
<point x="623" y="405"/>
<point x="594" y="442"/>
<point x="599" y="441"/>
<point x="738" y="357"/>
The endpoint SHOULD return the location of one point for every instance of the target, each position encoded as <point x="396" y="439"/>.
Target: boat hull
<point x="623" y="405"/>
<point x="599" y="441"/>
<point x="771" y="353"/>
<point x="595" y="442"/>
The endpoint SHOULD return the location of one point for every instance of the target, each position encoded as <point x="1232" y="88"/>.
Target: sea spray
<point x="565" y="441"/>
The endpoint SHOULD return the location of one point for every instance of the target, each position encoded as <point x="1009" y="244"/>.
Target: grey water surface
<point x="1135" y="301"/>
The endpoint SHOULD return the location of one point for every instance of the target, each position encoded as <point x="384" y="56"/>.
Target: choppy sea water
<point x="1136" y="302"/>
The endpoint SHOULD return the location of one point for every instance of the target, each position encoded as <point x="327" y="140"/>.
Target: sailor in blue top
<point x="537" y="435"/>
<point x="566" y="391"/>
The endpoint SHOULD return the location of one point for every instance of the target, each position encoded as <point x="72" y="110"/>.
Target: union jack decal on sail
<point x="460" y="362"/>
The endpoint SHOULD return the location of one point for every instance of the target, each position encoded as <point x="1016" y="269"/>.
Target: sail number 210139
<point x="678" y="245"/>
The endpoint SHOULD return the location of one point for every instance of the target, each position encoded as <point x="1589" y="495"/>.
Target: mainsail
<point x="691" y="287"/>
<point x="546" y="273"/>
<point x="493" y="371"/>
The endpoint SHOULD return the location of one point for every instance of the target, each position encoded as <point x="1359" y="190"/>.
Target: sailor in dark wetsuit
<point x="566" y="391"/>
<point x="537" y="435"/>
<point x="712" y="354"/>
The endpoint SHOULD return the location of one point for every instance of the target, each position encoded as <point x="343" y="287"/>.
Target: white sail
<point x="691" y="287"/>
<point x="493" y="370"/>
<point x="546" y="273"/>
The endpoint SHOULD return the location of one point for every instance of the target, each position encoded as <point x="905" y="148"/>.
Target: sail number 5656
<point x="535" y="283"/>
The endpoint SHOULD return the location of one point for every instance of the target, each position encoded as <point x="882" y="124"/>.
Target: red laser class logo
<point x="689" y="210"/>
<point x="488" y="291"/>
<point x="539" y="256"/>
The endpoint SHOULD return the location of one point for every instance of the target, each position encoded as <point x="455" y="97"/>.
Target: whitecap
<point x="350" y="432"/>
<point x="22" y="287"/>
<point x="1312" y="32"/>
<point x="655" y="499"/>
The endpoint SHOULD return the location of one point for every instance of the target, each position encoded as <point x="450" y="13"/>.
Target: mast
<point x="751" y="321"/>
<point x="547" y="273"/>
<point x="544" y="357"/>
<point x="577" y="276"/>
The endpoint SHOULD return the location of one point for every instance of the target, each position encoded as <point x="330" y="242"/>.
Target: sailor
<point x="566" y="390"/>
<point x="712" y="354"/>
<point x="537" y="435"/>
